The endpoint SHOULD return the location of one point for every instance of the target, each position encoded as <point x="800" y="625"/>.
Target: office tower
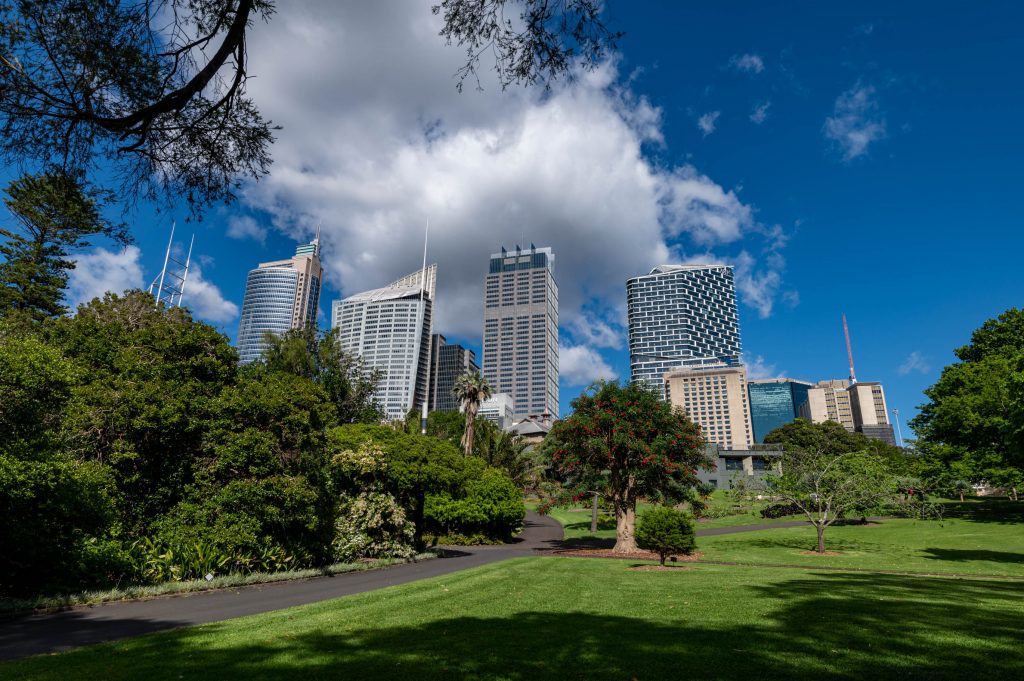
<point x="521" y="329"/>
<point x="389" y="328"/>
<point x="860" y="407"/>
<point x="715" y="398"/>
<point x="280" y="296"/>
<point x="681" y="312"/>
<point x="448" y="361"/>
<point x="774" y="402"/>
<point x="499" y="409"/>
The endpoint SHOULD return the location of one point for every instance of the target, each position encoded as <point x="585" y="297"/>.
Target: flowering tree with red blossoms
<point x="625" y="443"/>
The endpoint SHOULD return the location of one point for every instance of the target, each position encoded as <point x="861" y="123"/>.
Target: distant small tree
<point x="825" y="486"/>
<point x="471" y="389"/>
<point x="625" y="443"/>
<point x="962" y="487"/>
<point x="666" y="531"/>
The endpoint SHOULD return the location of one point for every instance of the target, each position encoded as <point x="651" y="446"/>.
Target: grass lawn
<point x="952" y="545"/>
<point x="571" y="618"/>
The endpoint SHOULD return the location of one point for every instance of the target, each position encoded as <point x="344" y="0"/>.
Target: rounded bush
<point x="666" y="531"/>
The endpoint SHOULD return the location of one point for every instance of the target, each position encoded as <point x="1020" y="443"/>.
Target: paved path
<point x="84" y="625"/>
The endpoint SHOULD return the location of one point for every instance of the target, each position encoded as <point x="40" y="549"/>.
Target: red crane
<point x="849" y="349"/>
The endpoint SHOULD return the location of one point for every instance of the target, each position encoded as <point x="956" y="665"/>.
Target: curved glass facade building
<point x="279" y="296"/>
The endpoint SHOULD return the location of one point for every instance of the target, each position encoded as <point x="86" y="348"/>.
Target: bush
<point x="780" y="510"/>
<point x="490" y="509"/>
<point x="666" y="531"/>
<point x="372" y="525"/>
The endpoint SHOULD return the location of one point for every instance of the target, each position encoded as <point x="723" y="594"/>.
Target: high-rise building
<point x="774" y="402"/>
<point x="499" y="409"/>
<point x="448" y="361"/>
<point x="280" y="296"/>
<point x="520" y="351"/>
<point x="860" y="407"/>
<point x="389" y="328"/>
<point x="715" y="398"/>
<point x="681" y="312"/>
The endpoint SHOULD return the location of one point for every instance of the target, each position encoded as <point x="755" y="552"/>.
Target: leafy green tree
<point x="625" y="443"/>
<point x="151" y="379"/>
<point x="974" y="417"/>
<point x="666" y="531"/>
<point x="470" y="390"/>
<point x="54" y="215"/>
<point x="318" y="356"/>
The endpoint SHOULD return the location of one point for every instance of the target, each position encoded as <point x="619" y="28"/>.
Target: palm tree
<point x="470" y="389"/>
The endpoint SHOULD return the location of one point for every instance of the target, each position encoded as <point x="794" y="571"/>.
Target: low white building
<point x="500" y="409"/>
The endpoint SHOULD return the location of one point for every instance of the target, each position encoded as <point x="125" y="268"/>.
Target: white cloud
<point x="580" y="365"/>
<point x="100" y="270"/>
<point x="856" y="122"/>
<point x="758" y="368"/>
<point x="375" y="152"/>
<point x="760" y="113"/>
<point x="588" y="329"/>
<point x="750" y="63"/>
<point x="706" y="123"/>
<point x="915" y="362"/>
<point x="758" y="286"/>
<point x="246" y="227"/>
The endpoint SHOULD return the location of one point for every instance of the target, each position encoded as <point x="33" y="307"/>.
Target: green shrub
<point x="489" y="505"/>
<point x="372" y="525"/>
<point x="666" y="531"/>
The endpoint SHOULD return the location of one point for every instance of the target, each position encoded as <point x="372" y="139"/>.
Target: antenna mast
<point x="169" y="287"/>
<point x="423" y="311"/>
<point x="849" y="349"/>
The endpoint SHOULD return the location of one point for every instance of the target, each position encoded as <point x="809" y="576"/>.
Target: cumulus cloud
<point x="760" y="113"/>
<point x="914" y="363"/>
<point x="376" y="152"/>
<point x="706" y="123"/>
<point x="596" y="332"/>
<point x="757" y="367"/>
<point x="856" y="122"/>
<point x="100" y="270"/>
<point x="749" y="63"/>
<point x="246" y="227"/>
<point x="580" y="365"/>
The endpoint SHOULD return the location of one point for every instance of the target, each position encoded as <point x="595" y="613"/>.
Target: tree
<point x="318" y="356"/>
<point x="545" y="41"/>
<point x="974" y="417"/>
<point x="825" y="485"/>
<point x="470" y="390"/>
<point x="55" y="214"/>
<point x="626" y="444"/>
<point x="666" y="531"/>
<point x="156" y="88"/>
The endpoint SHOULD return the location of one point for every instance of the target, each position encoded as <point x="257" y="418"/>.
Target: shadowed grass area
<point x="952" y="545"/>
<point x="565" y="618"/>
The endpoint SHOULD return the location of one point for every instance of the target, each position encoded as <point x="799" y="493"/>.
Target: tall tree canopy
<point x="54" y="214"/>
<point x="625" y="443"/>
<point x="974" y="417"/>
<point x="471" y="389"/>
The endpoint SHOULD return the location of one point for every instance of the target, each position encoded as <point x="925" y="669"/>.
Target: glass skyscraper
<point x="681" y="315"/>
<point x="774" y="402"/>
<point x="279" y="296"/>
<point x="389" y="328"/>
<point x="448" y="361"/>
<point x="520" y="350"/>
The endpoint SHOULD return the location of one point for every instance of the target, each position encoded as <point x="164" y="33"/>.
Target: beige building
<point x="860" y="407"/>
<point x="716" y="399"/>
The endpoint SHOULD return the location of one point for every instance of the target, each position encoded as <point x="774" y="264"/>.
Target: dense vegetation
<point x="133" y="448"/>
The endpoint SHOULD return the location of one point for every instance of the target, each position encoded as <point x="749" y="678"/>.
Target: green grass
<point x="566" y="618"/>
<point x="952" y="545"/>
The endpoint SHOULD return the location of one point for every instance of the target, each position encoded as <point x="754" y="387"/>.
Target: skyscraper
<point x="678" y="313"/>
<point x="715" y="398"/>
<point x="521" y="329"/>
<point x="448" y="361"/>
<point x="859" y="406"/>
<point x="280" y="296"/>
<point x="389" y="328"/>
<point x="774" y="402"/>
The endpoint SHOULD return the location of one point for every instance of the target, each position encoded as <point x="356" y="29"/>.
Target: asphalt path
<point x="84" y="625"/>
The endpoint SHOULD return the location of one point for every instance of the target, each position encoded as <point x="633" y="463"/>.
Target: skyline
<point x="834" y="226"/>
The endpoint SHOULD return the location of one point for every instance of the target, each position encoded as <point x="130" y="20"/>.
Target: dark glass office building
<point x="774" y="402"/>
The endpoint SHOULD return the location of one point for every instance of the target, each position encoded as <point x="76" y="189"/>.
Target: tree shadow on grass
<point x="972" y="554"/>
<point x="833" y="624"/>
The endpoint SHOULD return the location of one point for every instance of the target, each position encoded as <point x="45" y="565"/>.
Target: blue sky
<point x="846" y="157"/>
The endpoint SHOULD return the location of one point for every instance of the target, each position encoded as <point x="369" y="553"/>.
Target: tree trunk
<point x="662" y="556"/>
<point x="821" y="537"/>
<point x="961" y="497"/>
<point x="625" y="527"/>
<point x="593" y="516"/>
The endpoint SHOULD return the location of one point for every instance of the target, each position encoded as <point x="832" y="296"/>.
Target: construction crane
<point x="849" y="350"/>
